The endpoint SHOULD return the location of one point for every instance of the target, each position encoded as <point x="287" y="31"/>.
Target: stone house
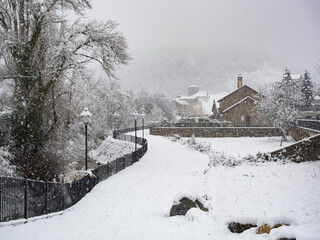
<point x="238" y="107"/>
<point x="191" y="105"/>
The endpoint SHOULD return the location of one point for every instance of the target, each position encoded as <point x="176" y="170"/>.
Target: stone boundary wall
<point x="307" y="149"/>
<point x="210" y="132"/>
<point x="313" y="124"/>
<point x="299" y="133"/>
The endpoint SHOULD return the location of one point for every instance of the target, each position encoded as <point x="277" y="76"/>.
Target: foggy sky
<point x="286" y="29"/>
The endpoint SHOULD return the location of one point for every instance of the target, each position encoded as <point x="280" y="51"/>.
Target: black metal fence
<point x="26" y="198"/>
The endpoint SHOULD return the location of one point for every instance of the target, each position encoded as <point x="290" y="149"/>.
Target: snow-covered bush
<point x="111" y="149"/>
<point x="6" y="169"/>
<point x="198" y="122"/>
<point x="74" y="171"/>
<point x="220" y="159"/>
<point x="199" y="146"/>
<point x="217" y="158"/>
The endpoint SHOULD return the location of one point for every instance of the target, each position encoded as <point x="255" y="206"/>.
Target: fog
<point x="285" y="31"/>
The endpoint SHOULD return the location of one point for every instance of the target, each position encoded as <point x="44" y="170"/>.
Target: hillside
<point x="172" y="71"/>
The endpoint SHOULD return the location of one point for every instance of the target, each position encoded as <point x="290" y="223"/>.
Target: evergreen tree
<point x="286" y="79"/>
<point x="308" y="92"/>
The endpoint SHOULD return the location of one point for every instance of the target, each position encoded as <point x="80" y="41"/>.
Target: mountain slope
<point x="172" y="71"/>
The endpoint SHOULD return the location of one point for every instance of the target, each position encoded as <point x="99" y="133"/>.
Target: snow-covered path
<point x="135" y="203"/>
<point x="129" y="205"/>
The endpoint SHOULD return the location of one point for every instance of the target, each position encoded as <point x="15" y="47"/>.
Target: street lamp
<point x="142" y="116"/>
<point x="135" y="117"/>
<point x="85" y="116"/>
<point x="115" y="117"/>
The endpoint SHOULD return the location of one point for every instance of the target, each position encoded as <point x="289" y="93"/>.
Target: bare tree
<point x="280" y="103"/>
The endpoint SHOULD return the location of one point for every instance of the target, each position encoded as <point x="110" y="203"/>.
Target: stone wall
<point x="238" y="114"/>
<point x="299" y="133"/>
<point x="307" y="149"/>
<point x="236" y="96"/>
<point x="215" y="132"/>
<point x="313" y="124"/>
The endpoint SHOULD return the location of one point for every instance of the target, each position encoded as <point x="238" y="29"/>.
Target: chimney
<point x="192" y="90"/>
<point x="239" y="81"/>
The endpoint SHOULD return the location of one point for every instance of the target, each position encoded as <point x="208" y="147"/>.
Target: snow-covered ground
<point x="243" y="146"/>
<point x="135" y="203"/>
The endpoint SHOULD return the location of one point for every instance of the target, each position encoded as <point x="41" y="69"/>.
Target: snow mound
<point x="5" y="168"/>
<point x="111" y="149"/>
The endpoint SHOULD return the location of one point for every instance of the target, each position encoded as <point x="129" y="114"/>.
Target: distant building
<point x="238" y="107"/>
<point x="296" y="77"/>
<point x="192" y="105"/>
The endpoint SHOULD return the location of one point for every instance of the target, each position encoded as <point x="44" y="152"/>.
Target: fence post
<point x="98" y="174"/>
<point x="46" y="200"/>
<point x="1" y="213"/>
<point x="63" y="193"/>
<point x="108" y="170"/>
<point x="26" y="198"/>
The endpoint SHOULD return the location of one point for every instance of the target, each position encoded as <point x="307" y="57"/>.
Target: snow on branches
<point x="280" y="102"/>
<point x="41" y="52"/>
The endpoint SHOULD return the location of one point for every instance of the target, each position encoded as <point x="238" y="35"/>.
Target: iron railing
<point x="26" y="198"/>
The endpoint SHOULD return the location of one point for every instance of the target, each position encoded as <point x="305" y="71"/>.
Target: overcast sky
<point x="289" y="29"/>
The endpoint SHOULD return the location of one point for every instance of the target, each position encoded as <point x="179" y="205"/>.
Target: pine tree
<point x="287" y="77"/>
<point x="308" y="92"/>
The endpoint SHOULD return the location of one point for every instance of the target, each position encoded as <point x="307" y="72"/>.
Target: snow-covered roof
<point x="317" y="97"/>
<point x="193" y="86"/>
<point x="207" y="105"/>
<point x="194" y="96"/>
<point x="200" y="94"/>
<point x="242" y="100"/>
<point x="86" y="113"/>
<point x="236" y="91"/>
<point x="295" y="76"/>
<point x="181" y="102"/>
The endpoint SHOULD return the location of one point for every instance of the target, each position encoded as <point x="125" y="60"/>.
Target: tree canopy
<point x="280" y="102"/>
<point x="42" y="53"/>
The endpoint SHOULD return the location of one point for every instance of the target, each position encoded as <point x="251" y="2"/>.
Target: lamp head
<point x="135" y="115"/>
<point x="85" y="116"/>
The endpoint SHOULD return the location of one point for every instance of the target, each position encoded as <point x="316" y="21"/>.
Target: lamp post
<point x="85" y="116"/>
<point x="115" y="117"/>
<point x="142" y="116"/>
<point x="135" y="117"/>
